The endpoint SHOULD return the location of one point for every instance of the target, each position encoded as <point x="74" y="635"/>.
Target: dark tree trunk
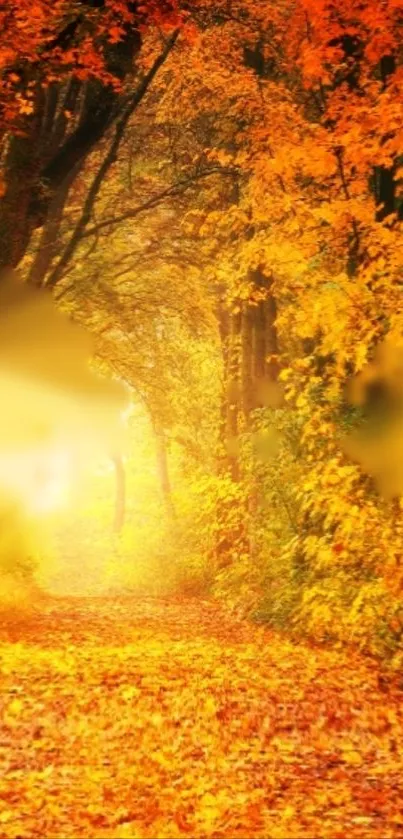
<point x="265" y="344"/>
<point x="384" y="176"/>
<point x="50" y="244"/>
<point x="47" y="153"/>
<point x="22" y="172"/>
<point x="385" y="191"/>
<point x="248" y="337"/>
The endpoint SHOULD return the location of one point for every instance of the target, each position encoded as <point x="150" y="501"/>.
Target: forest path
<point x="147" y="719"/>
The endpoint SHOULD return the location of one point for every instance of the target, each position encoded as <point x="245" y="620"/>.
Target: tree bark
<point x="49" y="242"/>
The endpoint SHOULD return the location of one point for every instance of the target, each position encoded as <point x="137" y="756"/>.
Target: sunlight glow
<point x="58" y="416"/>
<point x="40" y="477"/>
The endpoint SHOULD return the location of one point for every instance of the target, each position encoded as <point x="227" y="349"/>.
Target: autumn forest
<point x="201" y="421"/>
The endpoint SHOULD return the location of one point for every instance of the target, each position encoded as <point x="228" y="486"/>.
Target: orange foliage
<point x="311" y="93"/>
<point x="136" y="719"/>
<point x="51" y="41"/>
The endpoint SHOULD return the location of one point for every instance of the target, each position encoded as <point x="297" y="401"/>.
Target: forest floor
<point x="148" y="719"/>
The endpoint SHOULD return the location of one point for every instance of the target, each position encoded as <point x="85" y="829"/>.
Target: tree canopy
<point x="214" y="192"/>
<point x="201" y="216"/>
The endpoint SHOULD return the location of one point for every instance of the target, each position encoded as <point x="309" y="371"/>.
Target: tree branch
<point x="108" y="161"/>
<point x="170" y="191"/>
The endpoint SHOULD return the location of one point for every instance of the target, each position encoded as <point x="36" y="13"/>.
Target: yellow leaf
<point x="129" y="830"/>
<point x="352" y="757"/>
<point x="210" y="705"/>
<point x="15" y="707"/>
<point x="130" y="692"/>
<point x="208" y="800"/>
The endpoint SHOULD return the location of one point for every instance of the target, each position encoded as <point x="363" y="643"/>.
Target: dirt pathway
<point x="145" y="719"/>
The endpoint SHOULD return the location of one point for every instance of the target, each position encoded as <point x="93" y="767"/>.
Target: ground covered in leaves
<point x="126" y="718"/>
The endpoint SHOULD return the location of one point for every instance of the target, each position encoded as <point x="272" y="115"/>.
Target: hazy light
<point x="56" y="413"/>
<point x="40" y="477"/>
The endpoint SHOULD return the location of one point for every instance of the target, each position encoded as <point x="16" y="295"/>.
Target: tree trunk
<point x="247" y="361"/>
<point x="259" y="350"/>
<point x="272" y="366"/>
<point x="22" y="172"/>
<point x="265" y="345"/>
<point x="120" y="496"/>
<point x="163" y="470"/>
<point x="234" y="393"/>
<point x="223" y="327"/>
<point x="46" y="153"/>
<point x="49" y="243"/>
<point x="384" y="176"/>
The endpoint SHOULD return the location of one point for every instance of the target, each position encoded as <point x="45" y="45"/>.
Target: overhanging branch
<point x="108" y="161"/>
<point x="175" y="189"/>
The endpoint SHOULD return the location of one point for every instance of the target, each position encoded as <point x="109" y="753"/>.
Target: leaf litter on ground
<point x="148" y="718"/>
